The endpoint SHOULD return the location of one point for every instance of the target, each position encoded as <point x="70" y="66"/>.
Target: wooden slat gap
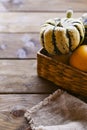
<point x="30" y="32"/>
<point x="24" y="93"/>
<point x="18" y="58"/>
<point x="42" y="11"/>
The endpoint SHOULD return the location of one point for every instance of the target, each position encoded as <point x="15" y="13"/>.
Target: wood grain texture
<point x="20" y="86"/>
<point x="13" y="107"/>
<point x="19" y="102"/>
<point x="13" y="22"/>
<point x="20" y="76"/>
<point x="17" y="45"/>
<point x="42" y="5"/>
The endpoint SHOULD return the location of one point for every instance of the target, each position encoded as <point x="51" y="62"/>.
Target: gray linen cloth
<point x="59" y="111"/>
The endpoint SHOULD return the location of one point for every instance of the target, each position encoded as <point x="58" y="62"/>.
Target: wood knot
<point x="18" y="113"/>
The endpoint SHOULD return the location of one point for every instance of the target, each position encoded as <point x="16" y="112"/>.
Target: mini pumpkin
<point x="62" y="35"/>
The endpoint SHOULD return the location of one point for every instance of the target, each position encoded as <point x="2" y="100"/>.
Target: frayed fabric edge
<point x="46" y="101"/>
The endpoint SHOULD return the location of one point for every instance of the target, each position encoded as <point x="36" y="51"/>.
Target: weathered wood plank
<point x="19" y="101"/>
<point x="2" y="7"/>
<point x="20" y="76"/>
<point x="26" y="22"/>
<point x="13" y="107"/>
<point x="42" y="5"/>
<point x="16" y="45"/>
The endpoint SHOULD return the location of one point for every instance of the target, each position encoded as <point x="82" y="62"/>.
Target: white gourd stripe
<point x="48" y="39"/>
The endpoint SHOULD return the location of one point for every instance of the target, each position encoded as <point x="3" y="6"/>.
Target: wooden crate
<point x="62" y="74"/>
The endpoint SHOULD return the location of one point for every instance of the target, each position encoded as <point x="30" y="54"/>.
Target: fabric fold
<point x="59" y="111"/>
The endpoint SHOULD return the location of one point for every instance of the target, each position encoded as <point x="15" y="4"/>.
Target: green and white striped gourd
<point x="62" y="35"/>
<point x="84" y="20"/>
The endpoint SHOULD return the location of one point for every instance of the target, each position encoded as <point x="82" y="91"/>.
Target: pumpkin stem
<point x="69" y="13"/>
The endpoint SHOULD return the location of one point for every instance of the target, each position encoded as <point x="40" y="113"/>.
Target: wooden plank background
<point x="43" y="5"/>
<point x="20" y="76"/>
<point x="20" y="22"/>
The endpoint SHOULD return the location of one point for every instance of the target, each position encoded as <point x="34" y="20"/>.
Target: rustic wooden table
<point x="20" y="87"/>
